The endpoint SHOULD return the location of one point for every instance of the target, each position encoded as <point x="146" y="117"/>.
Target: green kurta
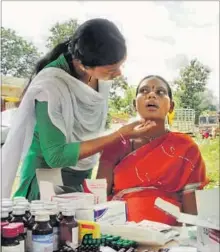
<point x="49" y="150"/>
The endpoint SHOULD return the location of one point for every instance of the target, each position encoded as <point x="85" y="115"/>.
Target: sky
<point x="162" y="36"/>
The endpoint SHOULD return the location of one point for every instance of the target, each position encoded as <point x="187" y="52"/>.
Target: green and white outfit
<point x="56" y="114"/>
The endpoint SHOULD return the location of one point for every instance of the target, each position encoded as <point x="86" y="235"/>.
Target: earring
<point x="90" y="78"/>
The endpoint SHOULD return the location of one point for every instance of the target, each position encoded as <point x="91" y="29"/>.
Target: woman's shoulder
<point x="182" y="138"/>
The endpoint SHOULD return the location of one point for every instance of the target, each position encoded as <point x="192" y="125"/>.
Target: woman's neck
<point x="84" y="77"/>
<point x="157" y="131"/>
<point x="81" y="75"/>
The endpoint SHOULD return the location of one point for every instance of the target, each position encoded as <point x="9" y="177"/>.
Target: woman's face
<point x="152" y="101"/>
<point x="108" y="72"/>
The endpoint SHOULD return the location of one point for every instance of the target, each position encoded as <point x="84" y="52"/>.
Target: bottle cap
<point x="7" y="203"/>
<point x="3" y="224"/>
<point x="50" y="207"/>
<point x="18" y="210"/>
<point x="42" y="216"/>
<point x="9" y="232"/>
<point x="37" y="202"/>
<point x="52" y="211"/>
<point x="6" y="199"/>
<point x="36" y="208"/>
<point x="61" y="204"/>
<point x="19" y="198"/>
<point x="24" y="204"/>
<point x="8" y="208"/>
<point x="19" y="226"/>
<point x="32" y="206"/>
<point x="68" y="211"/>
<point x="50" y="203"/>
<point x="62" y="207"/>
<point x="4" y="212"/>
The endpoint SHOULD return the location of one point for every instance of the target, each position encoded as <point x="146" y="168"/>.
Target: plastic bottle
<point x="61" y="207"/>
<point x="50" y="203"/>
<point x="4" y="214"/>
<point x="19" y="198"/>
<point x="34" y="209"/>
<point x="3" y="224"/>
<point x="55" y="225"/>
<point x="26" y="205"/>
<point x="19" y="216"/>
<point x="40" y="202"/>
<point x="10" y="236"/>
<point x="8" y="204"/>
<point x="42" y="234"/>
<point x="21" y="235"/>
<point x="69" y="229"/>
<point x="5" y="199"/>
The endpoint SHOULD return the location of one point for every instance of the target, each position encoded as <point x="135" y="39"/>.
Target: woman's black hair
<point x="97" y="42"/>
<point x="156" y="77"/>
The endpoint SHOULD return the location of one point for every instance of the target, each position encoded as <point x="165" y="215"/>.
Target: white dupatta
<point x="73" y="107"/>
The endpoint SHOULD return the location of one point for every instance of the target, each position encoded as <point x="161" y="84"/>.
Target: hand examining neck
<point x="156" y="131"/>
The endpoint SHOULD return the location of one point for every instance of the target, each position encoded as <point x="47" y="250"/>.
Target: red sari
<point x="166" y="168"/>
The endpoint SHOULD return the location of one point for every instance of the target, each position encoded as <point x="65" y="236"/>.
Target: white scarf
<point x="77" y="110"/>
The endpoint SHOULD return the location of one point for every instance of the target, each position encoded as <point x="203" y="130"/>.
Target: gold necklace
<point x="150" y="139"/>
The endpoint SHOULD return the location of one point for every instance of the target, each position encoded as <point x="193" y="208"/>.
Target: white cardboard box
<point x="112" y="212"/>
<point x="207" y="220"/>
<point x="79" y="199"/>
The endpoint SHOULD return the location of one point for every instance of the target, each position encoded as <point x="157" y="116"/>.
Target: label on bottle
<point x="42" y="243"/>
<point x="28" y="241"/>
<point x="22" y="246"/>
<point x="55" y="239"/>
<point x="11" y="248"/>
<point x="75" y="237"/>
<point x="74" y="243"/>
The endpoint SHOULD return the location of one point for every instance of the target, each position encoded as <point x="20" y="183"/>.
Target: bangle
<point x="123" y="140"/>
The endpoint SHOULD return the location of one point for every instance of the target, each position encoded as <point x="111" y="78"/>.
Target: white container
<point x="207" y="220"/>
<point x="78" y="199"/>
<point x="112" y="212"/>
<point x="98" y="187"/>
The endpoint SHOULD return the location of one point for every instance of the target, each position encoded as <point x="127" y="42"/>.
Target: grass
<point x="210" y="153"/>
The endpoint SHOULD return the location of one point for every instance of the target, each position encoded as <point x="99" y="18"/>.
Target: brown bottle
<point x="69" y="229"/>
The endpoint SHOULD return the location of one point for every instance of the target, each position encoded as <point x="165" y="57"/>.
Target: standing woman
<point x="64" y="107"/>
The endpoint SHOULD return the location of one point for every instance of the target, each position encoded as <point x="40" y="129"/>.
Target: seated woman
<point x="162" y="164"/>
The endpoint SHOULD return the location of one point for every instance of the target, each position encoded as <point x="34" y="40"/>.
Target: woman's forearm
<point x="91" y="147"/>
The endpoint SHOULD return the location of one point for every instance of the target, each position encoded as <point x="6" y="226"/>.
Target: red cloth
<point x="168" y="163"/>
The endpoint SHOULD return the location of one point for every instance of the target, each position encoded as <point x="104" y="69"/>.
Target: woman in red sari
<point x="162" y="164"/>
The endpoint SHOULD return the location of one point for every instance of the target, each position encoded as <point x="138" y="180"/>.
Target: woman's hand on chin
<point x="136" y="129"/>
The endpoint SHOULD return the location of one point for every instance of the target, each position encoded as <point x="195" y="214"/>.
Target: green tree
<point x="61" y="32"/>
<point x="208" y="101"/>
<point x="127" y="101"/>
<point x="191" y="84"/>
<point x="18" y="56"/>
<point x="118" y="88"/>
